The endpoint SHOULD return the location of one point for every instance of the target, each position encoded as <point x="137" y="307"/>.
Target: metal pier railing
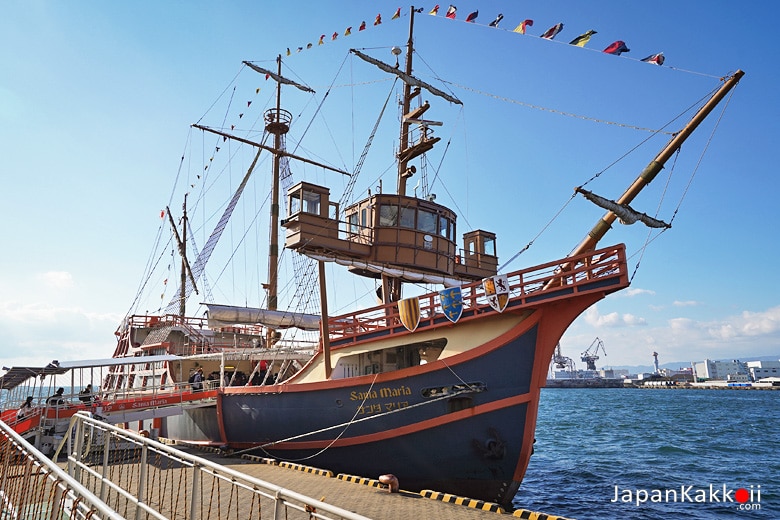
<point x="114" y="473"/>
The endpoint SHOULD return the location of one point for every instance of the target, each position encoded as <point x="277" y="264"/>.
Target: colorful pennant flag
<point x="617" y="48"/>
<point x="322" y="40"/>
<point x="348" y="31"/>
<point x="334" y="36"/>
<point x="435" y="10"/>
<point x="362" y="26"/>
<point x="288" y="51"/>
<point x="582" y="39"/>
<point x="521" y="28"/>
<point x="397" y="14"/>
<point x="472" y="16"/>
<point x="378" y="19"/>
<point x="550" y="33"/>
<point x="658" y="58"/>
<point x="451" y="10"/>
<point x="494" y="23"/>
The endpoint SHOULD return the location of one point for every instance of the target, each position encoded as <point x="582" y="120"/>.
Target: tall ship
<point x="439" y="387"/>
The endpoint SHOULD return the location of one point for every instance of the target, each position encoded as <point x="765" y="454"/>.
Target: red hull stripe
<point x="404" y="430"/>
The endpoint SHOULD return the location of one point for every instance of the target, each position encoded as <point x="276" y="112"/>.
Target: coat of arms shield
<point x="451" y="303"/>
<point x="497" y="291"/>
<point x="409" y="312"/>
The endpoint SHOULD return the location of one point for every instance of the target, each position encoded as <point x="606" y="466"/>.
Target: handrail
<point x="527" y="287"/>
<point x="88" y="442"/>
<point x="56" y="495"/>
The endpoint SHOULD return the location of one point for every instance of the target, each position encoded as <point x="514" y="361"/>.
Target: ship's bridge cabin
<point x="387" y="230"/>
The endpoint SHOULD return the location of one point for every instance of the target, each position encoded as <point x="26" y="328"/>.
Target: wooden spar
<point x="281" y="153"/>
<point x="324" y="327"/>
<point x="655" y="166"/>
<point x="407" y="99"/>
<point x="185" y="265"/>
<point x="273" y="249"/>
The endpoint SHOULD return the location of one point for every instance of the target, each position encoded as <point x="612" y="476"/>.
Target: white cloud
<point x="740" y="336"/>
<point x="57" y="279"/>
<point x="689" y="303"/>
<point x="630" y="292"/>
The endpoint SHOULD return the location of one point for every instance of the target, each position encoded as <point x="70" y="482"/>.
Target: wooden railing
<point x="527" y="288"/>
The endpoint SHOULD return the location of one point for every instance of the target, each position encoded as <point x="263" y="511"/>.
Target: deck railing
<point x="527" y="287"/>
<point x="142" y="478"/>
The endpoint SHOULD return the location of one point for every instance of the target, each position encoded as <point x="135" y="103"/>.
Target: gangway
<point x="115" y="473"/>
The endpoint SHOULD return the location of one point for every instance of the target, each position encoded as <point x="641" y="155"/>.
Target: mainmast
<point x="403" y="174"/>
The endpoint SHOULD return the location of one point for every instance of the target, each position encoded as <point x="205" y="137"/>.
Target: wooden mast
<point x="391" y="287"/>
<point x="656" y="165"/>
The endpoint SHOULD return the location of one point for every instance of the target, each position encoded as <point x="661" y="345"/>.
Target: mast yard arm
<point x="270" y="149"/>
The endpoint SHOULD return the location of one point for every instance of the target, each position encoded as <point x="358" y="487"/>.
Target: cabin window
<point x="295" y="204"/>
<point x="490" y="246"/>
<point x="444" y="227"/>
<point x="311" y="202"/>
<point x="407" y="218"/>
<point x="388" y="215"/>
<point x="363" y="220"/>
<point x="427" y="222"/>
<point x="353" y="223"/>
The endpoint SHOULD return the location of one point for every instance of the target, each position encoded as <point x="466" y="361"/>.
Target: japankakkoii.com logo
<point x="743" y="498"/>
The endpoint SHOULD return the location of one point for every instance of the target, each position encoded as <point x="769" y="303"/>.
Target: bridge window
<point x="407" y="218"/>
<point x="427" y="222"/>
<point x="388" y="215"/>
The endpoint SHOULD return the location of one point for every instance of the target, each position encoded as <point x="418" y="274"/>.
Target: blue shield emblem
<point x="451" y="303"/>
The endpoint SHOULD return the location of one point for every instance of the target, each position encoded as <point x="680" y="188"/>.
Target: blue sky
<point x="96" y="99"/>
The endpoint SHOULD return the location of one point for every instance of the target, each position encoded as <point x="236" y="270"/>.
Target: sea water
<point x="655" y="453"/>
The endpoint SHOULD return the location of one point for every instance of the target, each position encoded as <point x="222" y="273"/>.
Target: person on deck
<point x="26" y="408"/>
<point x="197" y="380"/>
<point x="85" y="396"/>
<point x="56" y="399"/>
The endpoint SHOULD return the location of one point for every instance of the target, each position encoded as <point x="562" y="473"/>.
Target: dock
<point x="363" y="495"/>
<point x="103" y="471"/>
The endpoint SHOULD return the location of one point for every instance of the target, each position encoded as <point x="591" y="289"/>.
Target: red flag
<point x="617" y="48"/>
<point x="552" y="31"/>
<point x="362" y="27"/>
<point x="472" y="16"/>
<point x="451" y="12"/>
<point x="334" y="36"/>
<point x="378" y="19"/>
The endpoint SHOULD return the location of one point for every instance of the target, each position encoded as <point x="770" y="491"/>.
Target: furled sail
<point x="224" y="315"/>
<point x="407" y="275"/>
<point x="277" y="77"/>
<point x="624" y="212"/>
<point x="409" y="80"/>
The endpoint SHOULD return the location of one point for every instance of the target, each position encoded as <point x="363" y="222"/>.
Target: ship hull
<point x="462" y="425"/>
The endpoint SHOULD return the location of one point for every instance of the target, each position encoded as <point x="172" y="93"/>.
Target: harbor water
<point x="655" y="453"/>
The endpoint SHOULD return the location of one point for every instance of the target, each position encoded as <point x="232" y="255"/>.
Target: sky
<point x="97" y="99"/>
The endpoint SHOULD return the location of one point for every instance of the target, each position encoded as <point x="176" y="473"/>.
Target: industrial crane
<point x="561" y="361"/>
<point x="592" y="354"/>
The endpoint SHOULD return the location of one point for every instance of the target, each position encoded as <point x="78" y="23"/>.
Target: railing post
<point x="195" y="494"/>
<point x="141" y="480"/>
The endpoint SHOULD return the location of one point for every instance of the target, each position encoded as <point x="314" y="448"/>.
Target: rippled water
<point x="588" y="441"/>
